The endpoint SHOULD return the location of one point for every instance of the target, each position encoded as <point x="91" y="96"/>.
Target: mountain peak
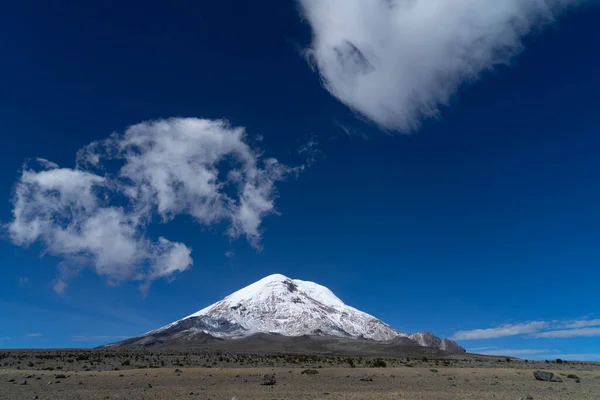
<point x="276" y="289"/>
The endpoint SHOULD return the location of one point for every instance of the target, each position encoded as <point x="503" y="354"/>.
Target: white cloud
<point x="23" y="280"/>
<point x="397" y="61"/>
<point x="501" y="331"/>
<point x="33" y="335"/>
<point x="538" y="329"/>
<point x="476" y="349"/>
<point x="94" y="217"/>
<point x="515" y="352"/>
<point x="83" y="338"/>
<point x="568" y="333"/>
<point x="584" y="323"/>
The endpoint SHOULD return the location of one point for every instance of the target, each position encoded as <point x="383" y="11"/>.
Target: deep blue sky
<point x="489" y="215"/>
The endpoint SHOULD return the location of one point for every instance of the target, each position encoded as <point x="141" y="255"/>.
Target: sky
<point x="433" y="166"/>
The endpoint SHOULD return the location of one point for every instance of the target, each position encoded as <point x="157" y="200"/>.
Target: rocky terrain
<point x="205" y="373"/>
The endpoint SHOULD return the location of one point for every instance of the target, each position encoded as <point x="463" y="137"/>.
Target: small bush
<point x="350" y="362"/>
<point x="433" y="370"/>
<point x="310" y="372"/>
<point x="425" y="359"/>
<point x="125" y="363"/>
<point x="378" y="363"/>
<point x="572" y="376"/>
<point x="559" y="361"/>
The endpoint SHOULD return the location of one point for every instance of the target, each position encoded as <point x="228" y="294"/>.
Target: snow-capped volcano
<point x="289" y="307"/>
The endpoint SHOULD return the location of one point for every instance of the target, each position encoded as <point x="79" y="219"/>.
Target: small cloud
<point x="23" y="280"/>
<point x="569" y="333"/>
<point x="83" y="338"/>
<point x="230" y="254"/>
<point x="59" y="286"/>
<point x="5" y="338"/>
<point x="33" y="335"/>
<point x="501" y="331"/>
<point x="476" y="349"/>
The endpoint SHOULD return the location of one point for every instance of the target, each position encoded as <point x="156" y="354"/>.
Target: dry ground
<point x="330" y="383"/>
<point x="185" y="374"/>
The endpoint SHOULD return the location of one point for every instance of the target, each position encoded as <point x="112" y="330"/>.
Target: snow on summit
<point x="292" y="307"/>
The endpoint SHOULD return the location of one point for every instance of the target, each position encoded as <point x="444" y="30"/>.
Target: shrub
<point x="125" y="363"/>
<point x="350" y="362"/>
<point x="310" y="372"/>
<point x="559" y="361"/>
<point x="572" y="376"/>
<point x="378" y="363"/>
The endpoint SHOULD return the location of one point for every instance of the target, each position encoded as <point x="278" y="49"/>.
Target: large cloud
<point x="397" y="61"/>
<point x="90" y="216"/>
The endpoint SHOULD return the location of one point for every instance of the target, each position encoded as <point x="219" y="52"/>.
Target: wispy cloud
<point x="476" y="349"/>
<point x="537" y="329"/>
<point x="569" y="333"/>
<point x="501" y="331"/>
<point x="23" y="280"/>
<point x="92" y="217"/>
<point x="397" y="62"/>
<point x="515" y="352"/>
<point x="33" y="335"/>
<point x="5" y="338"/>
<point x="584" y="323"/>
<point x="83" y="338"/>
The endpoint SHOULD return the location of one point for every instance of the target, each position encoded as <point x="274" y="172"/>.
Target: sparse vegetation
<point x="310" y="372"/>
<point x="378" y="363"/>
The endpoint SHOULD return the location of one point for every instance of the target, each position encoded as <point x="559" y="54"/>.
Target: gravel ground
<point x="447" y="383"/>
